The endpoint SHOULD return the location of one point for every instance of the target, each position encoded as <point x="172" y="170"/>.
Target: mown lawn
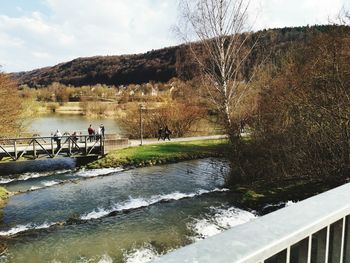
<point x="148" y="155"/>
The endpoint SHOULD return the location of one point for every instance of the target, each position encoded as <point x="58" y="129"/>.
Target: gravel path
<point x="134" y="143"/>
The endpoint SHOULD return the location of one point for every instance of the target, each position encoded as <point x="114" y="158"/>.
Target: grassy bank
<point x="3" y="193"/>
<point x="171" y="152"/>
<point x="259" y="194"/>
<point x="3" y="196"/>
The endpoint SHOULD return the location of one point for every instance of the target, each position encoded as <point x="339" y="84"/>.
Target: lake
<point x="47" y="124"/>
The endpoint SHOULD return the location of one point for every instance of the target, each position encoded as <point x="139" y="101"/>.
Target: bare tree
<point x="347" y="17"/>
<point x="222" y="47"/>
<point x="343" y="18"/>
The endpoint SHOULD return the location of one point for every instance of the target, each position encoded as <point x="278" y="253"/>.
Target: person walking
<point x="99" y="133"/>
<point x="102" y="130"/>
<point x="75" y="136"/>
<point x="57" y="138"/>
<point x="91" y="132"/>
<point x="160" y="133"/>
<point x="167" y="133"/>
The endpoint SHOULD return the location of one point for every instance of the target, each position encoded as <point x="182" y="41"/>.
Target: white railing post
<point x="288" y="255"/>
<point x="309" y="249"/>
<point x="327" y="244"/>
<point x="342" y="240"/>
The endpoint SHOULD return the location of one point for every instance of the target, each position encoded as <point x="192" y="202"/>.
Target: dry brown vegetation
<point x="11" y="107"/>
<point x="178" y="116"/>
<point x="180" y="110"/>
<point x="301" y="122"/>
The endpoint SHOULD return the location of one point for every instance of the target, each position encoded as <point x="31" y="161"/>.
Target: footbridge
<point x="37" y="147"/>
<point x="314" y="230"/>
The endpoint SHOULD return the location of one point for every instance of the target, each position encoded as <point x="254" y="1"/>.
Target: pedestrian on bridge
<point x="91" y="132"/>
<point x="75" y="136"/>
<point x="57" y="138"/>
<point x="100" y="133"/>
<point x="102" y="130"/>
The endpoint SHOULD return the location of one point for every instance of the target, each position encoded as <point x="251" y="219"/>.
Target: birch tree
<point x="216" y="31"/>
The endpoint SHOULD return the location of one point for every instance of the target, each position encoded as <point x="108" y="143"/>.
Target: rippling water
<point x="115" y="215"/>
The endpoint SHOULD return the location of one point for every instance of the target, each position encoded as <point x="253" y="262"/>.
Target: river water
<point x="114" y="215"/>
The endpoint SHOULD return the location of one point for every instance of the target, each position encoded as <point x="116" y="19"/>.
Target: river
<point x="114" y="215"/>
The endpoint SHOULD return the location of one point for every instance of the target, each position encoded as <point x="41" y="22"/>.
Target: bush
<point x="179" y="117"/>
<point x="11" y="107"/>
<point x="301" y="127"/>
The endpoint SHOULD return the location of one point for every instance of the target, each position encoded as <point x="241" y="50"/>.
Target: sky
<point x="39" y="33"/>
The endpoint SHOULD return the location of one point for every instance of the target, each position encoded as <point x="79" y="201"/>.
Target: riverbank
<point x="3" y="196"/>
<point x="267" y="196"/>
<point x="154" y="154"/>
<point x="3" y="199"/>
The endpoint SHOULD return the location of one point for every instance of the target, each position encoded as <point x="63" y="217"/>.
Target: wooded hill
<point x="160" y="65"/>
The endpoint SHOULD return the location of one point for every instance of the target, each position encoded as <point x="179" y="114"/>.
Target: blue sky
<point x="39" y="33"/>
<point x="22" y="7"/>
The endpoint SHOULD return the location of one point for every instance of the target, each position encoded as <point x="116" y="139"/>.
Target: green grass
<point x="3" y="193"/>
<point x="149" y="155"/>
<point x="3" y="198"/>
<point x="257" y="194"/>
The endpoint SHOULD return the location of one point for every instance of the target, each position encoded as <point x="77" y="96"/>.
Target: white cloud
<point x="324" y="10"/>
<point x="41" y="55"/>
<point x="8" y="41"/>
<point x="282" y="13"/>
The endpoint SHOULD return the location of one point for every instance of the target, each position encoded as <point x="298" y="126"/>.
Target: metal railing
<point x="49" y="147"/>
<point x="314" y="230"/>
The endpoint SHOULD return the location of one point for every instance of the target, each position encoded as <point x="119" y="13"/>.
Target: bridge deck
<point x="46" y="147"/>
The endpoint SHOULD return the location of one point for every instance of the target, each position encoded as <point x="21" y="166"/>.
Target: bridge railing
<point x="314" y="230"/>
<point x="35" y="147"/>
